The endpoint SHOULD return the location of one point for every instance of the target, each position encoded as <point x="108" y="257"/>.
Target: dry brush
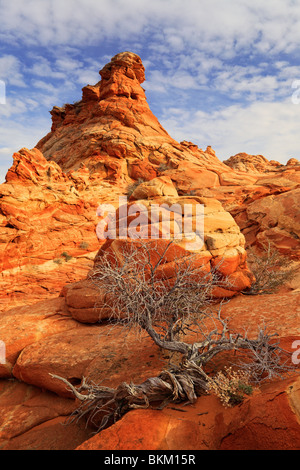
<point x="176" y="309"/>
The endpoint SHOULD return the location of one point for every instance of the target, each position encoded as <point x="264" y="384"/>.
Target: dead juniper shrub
<point x="131" y="187"/>
<point x="230" y="386"/>
<point x="271" y="270"/>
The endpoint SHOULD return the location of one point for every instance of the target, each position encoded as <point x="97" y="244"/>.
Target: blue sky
<point x="218" y="72"/>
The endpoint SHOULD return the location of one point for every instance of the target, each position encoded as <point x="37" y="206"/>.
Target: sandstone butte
<point x="106" y="145"/>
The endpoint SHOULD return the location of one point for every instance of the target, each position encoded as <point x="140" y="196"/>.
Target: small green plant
<point x="66" y="256"/>
<point x="131" y="187"/>
<point x="83" y="245"/>
<point x="231" y="386"/>
<point x="57" y="261"/>
<point x="271" y="270"/>
<point x="192" y="192"/>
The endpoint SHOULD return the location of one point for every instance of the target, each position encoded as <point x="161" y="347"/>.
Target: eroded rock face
<point x="44" y="339"/>
<point x="114" y="133"/>
<point x="112" y="122"/>
<point x="32" y="419"/>
<point x="196" y="225"/>
<point x="276" y="219"/>
<point x="257" y="163"/>
<point x="121" y="77"/>
<point x="250" y="163"/>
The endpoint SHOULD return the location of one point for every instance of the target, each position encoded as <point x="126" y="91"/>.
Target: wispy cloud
<point x="219" y="73"/>
<point x="272" y="26"/>
<point x="10" y="70"/>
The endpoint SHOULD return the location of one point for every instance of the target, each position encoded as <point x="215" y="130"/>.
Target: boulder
<point x="275" y="219"/>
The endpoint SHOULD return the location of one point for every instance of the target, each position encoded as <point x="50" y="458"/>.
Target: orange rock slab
<point x="265" y="421"/>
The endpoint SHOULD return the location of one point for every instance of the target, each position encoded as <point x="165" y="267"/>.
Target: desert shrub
<point x="231" y="386"/>
<point x="131" y="187"/>
<point x="191" y="192"/>
<point x="271" y="270"/>
<point x="66" y="256"/>
<point x="163" y="167"/>
<point x="83" y="245"/>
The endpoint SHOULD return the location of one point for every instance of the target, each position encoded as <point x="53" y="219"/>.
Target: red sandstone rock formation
<point x="47" y="228"/>
<point x="48" y="243"/>
<point x="219" y="246"/>
<point x="265" y="421"/>
<point x="251" y="163"/>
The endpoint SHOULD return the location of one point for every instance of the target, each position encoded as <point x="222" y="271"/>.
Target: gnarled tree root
<point x="103" y="405"/>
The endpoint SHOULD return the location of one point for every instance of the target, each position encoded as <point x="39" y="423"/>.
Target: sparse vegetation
<point x="63" y="257"/>
<point x="231" y="386"/>
<point x="271" y="270"/>
<point x="66" y="256"/>
<point x="179" y="315"/>
<point x="131" y="187"/>
<point x="163" y="167"/>
<point x="83" y="245"/>
<point x="192" y="192"/>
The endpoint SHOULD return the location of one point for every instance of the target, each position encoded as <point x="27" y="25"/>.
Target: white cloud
<point x="10" y="70"/>
<point x="68" y="64"/>
<point x="42" y="67"/>
<point x="15" y="106"/>
<point x="249" y="82"/>
<point x="264" y="128"/>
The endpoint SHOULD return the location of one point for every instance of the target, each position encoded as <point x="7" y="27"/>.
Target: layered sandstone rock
<point x="267" y="421"/>
<point x="251" y="163"/>
<point x="114" y="133"/>
<point x="32" y="419"/>
<point x="276" y="219"/>
<point x="196" y="225"/>
<point x="43" y="339"/>
<point x="96" y="149"/>
<point x="257" y="163"/>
